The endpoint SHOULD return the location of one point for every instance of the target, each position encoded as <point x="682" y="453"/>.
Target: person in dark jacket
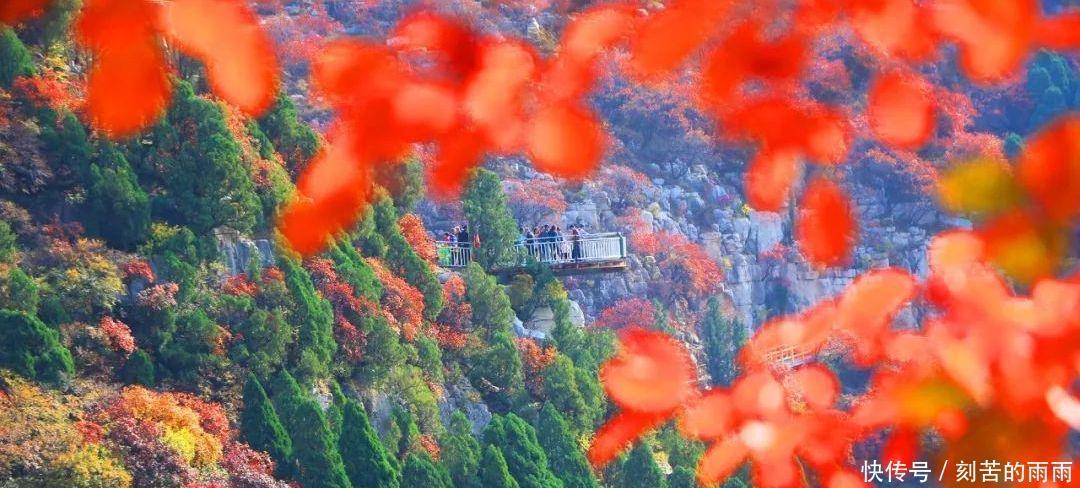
<point x="465" y="243"/>
<point x="530" y="241"/>
<point x="575" y="239"/>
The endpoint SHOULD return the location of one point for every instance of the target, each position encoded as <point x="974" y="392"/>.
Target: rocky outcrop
<point x="462" y="396"/>
<point x="764" y="273"/>
<point x="237" y="251"/>
<point x="542" y="321"/>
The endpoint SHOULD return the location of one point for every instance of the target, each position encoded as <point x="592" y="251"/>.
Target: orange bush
<point x="417" y="236"/>
<point x="239" y="285"/>
<point x="402" y="304"/>
<point x="628" y="312"/>
<point x="119" y="335"/>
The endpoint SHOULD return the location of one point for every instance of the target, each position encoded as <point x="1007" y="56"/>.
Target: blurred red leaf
<point x="866" y="309"/>
<point x="721" y="460"/>
<point x="769" y="178"/>
<point x="708" y="417"/>
<point x="1061" y="32"/>
<point x="816" y="385"/>
<point x="826" y="228"/>
<point x="1022" y="246"/>
<point x="651" y="372"/>
<point x="14" y="11"/>
<point x="351" y="71"/>
<point x="900" y="28"/>
<point x="619" y="433"/>
<point x="495" y="93"/>
<point x="669" y="37"/>
<point x="449" y="41"/>
<point x="238" y="54"/>
<point x="899" y="110"/>
<point x="1049" y="168"/>
<point x="331" y="192"/>
<point x="128" y="89"/>
<point x="565" y="141"/>
<point x="994" y="38"/>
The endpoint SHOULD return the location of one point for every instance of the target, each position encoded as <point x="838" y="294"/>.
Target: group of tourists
<point x="549" y="243"/>
<point x="456" y="246"/>
<point x="546" y="243"/>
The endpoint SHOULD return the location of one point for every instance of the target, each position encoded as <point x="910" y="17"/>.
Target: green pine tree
<point x="564" y="455"/>
<point x="352" y="268"/>
<point x="284" y="392"/>
<point x="420" y="471"/>
<point x="366" y="461"/>
<point x="173" y="251"/>
<point x="640" y="470"/>
<point x="383" y="352"/>
<point x="460" y="452"/>
<point x="263" y="336"/>
<point x="613" y="472"/>
<point x="315" y="458"/>
<point x="52" y="26"/>
<point x="279" y="187"/>
<point x="293" y="139"/>
<point x="8" y="242"/>
<point x="138" y="370"/>
<point x="429" y="358"/>
<point x="560" y="387"/>
<point x="19" y="292"/>
<point x="316" y="461"/>
<point x="723" y="336"/>
<point x="403" y="259"/>
<point x="15" y="59"/>
<point x="206" y="182"/>
<point x="314" y="318"/>
<point x="524" y="457"/>
<point x="32" y="349"/>
<point x="497" y="372"/>
<point x="261" y="427"/>
<point x="493" y="470"/>
<point x="410" y="432"/>
<point x="188" y="351"/>
<point x="489" y="215"/>
<point x="680" y="450"/>
<point x="682" y="477"/>
<point x="66" y="144"/>
<point x="405" y="182"/>
<point x="335" y="411"/>
<point x="116" y="208"/>
<point x="491" y="309"/>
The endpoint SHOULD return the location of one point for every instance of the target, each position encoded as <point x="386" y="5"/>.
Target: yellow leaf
<point x="979" y="187"/>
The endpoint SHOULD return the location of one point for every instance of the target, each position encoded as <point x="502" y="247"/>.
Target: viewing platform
<point x="591" y="253"/>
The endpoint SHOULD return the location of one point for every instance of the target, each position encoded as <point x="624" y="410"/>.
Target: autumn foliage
<point x="402" y="304"/>
<point x="128" y="87"/>
<point x="991" y="373"/>
<point x="685" y="265"/>
<point x="957" y="376"/>
<point x="119" y="335"/>
<point x="412" y="228"/>
<point x="14" y="11"/>
<point x="631" y="312"/>
<point x="440" y="81"/>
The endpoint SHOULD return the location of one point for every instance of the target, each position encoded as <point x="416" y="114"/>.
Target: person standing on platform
<point x="464" y="243"/>
<point x="575" y="238"/>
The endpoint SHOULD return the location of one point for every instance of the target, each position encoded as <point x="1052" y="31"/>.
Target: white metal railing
<point x="590" y="248"/>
